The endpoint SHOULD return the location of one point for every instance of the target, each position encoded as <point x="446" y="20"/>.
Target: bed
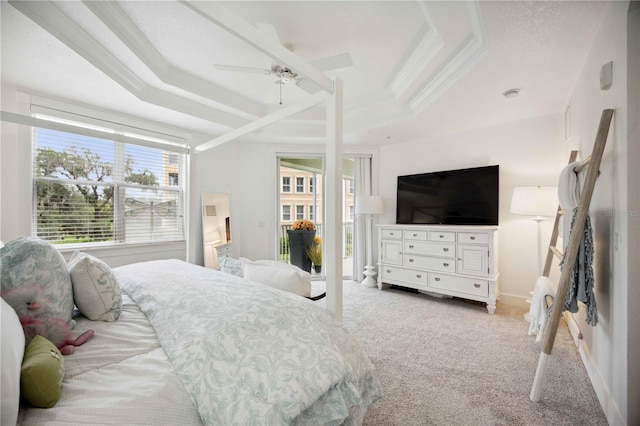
<point x="193" y="345"/>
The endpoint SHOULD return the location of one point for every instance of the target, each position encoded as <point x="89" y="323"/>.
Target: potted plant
<point x="314" y="253"/>
<point x="301" y="236"/>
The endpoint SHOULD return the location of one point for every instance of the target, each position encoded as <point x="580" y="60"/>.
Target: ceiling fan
<point x="284" y="74"/>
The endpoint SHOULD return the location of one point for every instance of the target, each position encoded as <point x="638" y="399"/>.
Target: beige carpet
<point x="448" y="362"/>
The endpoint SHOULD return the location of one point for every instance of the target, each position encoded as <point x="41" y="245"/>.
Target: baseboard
<point x="607" y="402"/>
<point x="513" y="300"/>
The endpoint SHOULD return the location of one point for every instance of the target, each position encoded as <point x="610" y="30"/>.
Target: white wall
<point x="530" y="153"/>
<point x="633" y="225"/>
<point x="604" y="347"/>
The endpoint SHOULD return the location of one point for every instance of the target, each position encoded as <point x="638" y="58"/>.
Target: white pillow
<point x="278" y="275"/>
<point x="230" y="266"/>
<point x="12" y="352"/>
<point x="95" y="289"/>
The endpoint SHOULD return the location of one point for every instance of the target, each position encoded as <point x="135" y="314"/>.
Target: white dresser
<point x="460" y="261"/>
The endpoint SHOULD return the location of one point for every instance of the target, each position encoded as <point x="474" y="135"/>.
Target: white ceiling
<point x="421" y="69"/>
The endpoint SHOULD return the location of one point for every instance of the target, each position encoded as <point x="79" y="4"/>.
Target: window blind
<point x="97" y="190"/>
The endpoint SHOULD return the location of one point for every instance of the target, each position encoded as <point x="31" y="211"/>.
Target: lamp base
<point x="369" y="273"/>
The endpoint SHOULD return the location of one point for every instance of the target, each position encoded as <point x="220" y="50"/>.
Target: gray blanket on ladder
<point x="581" y="286"/>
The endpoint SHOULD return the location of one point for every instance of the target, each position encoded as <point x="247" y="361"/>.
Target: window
<point x="95" y="190"/>
<point x="300" y="185"/>
<point x="299" y="212"/>
<point x="286" y="213"/>
<point x="286" y="184"/>
<point x="312" y="181"/>
<point x="351" y="213"/>
<point x="311" y="218"/>
<point x="351" y="183"/>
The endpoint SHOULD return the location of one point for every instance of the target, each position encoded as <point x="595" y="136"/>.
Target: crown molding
<point x="463" y="60"/>
<point x="119" y="23"/>
<point x="57" y="23"/>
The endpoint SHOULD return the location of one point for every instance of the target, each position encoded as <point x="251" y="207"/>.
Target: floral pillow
<point x="95" y="289"/>
<point x="35" y="270"/>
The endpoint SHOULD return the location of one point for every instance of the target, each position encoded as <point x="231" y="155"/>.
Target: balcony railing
<point x="347" y="240"/>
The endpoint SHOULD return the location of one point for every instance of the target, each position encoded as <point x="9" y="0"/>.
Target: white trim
<point x="122" y="26"/>
<point x="52" y="125"/>
<point x="224" y="18"/>
<point x="267" y="120"/>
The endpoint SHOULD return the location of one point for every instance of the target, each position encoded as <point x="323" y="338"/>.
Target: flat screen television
<point x="451" y="197"/>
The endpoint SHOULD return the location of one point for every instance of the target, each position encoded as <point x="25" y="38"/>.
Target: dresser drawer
<point x="473" y="238"/>
<point x="415" y="235"/>
<point x="433" y="263"/>
<point x="405" y="275"/>
<point x="464" y="285"/>
<point x="394" y="234"/>
<point x="444" y="237"/>
<point x="431" y="249"/>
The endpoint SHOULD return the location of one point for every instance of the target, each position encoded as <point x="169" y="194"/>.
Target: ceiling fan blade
<point x="308" y="86"/>
<point x="335" y="62"/>
<point x="243" y="69"/>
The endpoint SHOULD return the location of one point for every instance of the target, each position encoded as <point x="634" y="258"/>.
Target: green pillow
<point x="42" y="373"/>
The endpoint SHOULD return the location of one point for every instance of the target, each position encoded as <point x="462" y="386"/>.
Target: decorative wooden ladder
<point x="575" y="237"/>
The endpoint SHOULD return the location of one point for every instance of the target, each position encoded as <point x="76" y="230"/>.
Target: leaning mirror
<point x="216" y="228"/>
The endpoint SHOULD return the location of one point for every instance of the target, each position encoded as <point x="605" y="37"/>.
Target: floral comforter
<point x="248" y="353"/>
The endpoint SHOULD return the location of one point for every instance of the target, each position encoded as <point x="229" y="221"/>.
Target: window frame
<point x="282" y="213"/>
<point x="283" y="184"/>
<point x="74" y="126"/>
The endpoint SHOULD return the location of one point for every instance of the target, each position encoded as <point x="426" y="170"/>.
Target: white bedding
<point x="229" y="352"/>
<point x="120" y="375"/>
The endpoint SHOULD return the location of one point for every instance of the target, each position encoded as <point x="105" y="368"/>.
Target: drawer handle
<point x="388" y="271"/>
<point x="391" y="233"/>
<point x="410" y="260"/>
<point x="441" y="236"/>
<point x="445" y="264"/>
<point x="445" y="249"/>
<point x="437" y="279"/>
<point x="411" y="246"/>
<point x="418" y="276"/>
<point x="476" y="285"/>
<point x="472" y="238"/>
<point x="415" y="235"/>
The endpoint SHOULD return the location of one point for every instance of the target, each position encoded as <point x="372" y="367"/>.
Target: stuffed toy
<point x="30" y="304"/>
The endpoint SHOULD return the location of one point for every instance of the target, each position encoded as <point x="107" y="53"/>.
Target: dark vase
<point x="317" y="268"/>
<point x="299" y="242"/>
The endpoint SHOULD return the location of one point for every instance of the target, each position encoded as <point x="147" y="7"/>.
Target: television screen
<point x="453" y="197"/>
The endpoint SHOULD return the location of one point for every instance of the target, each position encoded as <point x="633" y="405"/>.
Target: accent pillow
<point x="95" y="289"/>
<point x="42" y="373"/>
<point x="230" y="266"/>
<point x="11" y="360"/>
<point x="279" y="275"/>
<point x="29" y="261"/>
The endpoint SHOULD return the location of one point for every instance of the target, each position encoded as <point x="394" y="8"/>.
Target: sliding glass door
<point x="300" y="196"/>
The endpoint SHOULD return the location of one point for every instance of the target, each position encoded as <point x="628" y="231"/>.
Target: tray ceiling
<point x="420" y="69"/>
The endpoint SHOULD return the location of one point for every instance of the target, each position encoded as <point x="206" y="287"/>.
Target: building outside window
<point x="351" y="186"/>
<point x="311" y="215"/>
<point x="286" y="184"/>
<point x="173" y="179"/>
<point x="299" y="212"/>
<point x="299" y="185"/>
<point x="312" y="184"/>
<point x="286" y="213"/>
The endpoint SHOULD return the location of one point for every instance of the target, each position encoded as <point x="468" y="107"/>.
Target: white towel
<point x="538" y="311"/>
<point x="569" y="186"/>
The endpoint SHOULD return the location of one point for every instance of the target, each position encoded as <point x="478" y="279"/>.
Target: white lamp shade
<point x="535" y="201"/>
<point x="369" y="204"/>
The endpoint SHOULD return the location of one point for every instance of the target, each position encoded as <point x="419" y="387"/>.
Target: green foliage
<point x="77" y="211"/>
